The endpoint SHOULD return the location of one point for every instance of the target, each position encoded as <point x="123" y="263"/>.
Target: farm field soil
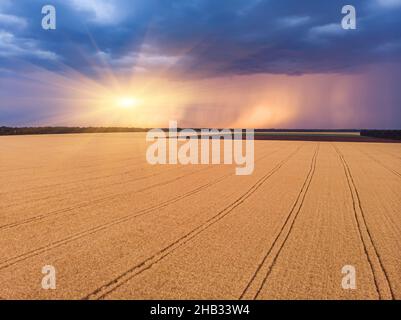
<point x="116" y="227"/>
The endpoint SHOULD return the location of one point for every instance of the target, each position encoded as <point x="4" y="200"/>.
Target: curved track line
<point x="380" y="163"/>
<point x="146" y="264"/>
<point x="11" y="261"/>
<point x="389" y="217"/>
<point x="296" y="208"/>
<point x="92" y="202"/>
<point x="391" y="154"/>
<point x="69" y="182"/>
<point x="100" y="200"/>
<point x="62" y="192"/>
<point x="371" y="252"/>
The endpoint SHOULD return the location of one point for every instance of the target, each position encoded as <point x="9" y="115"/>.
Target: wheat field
<point x="116" y="227"/>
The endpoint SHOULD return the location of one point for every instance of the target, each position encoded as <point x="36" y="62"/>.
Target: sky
<point x="203" y="63"/>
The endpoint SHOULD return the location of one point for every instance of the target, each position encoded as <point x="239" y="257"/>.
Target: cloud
<point x="104" y="12"/>
<point x="4" y="4"/>
<point x="213" y="38"/>
<point x="282" y="43"/>
<point x="388" y="48"/>
<point x="11" y="46"/>
<point x="325" y="33"/>
<point x="145" y="60"/>
<point x="388" y="3"/>
<point x="8" y="20"/>
<point x="293" y="21"/>
<point x="248" y="7"/>
<point x="327" y="29"/>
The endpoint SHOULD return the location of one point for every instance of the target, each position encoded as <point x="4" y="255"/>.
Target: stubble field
<point x="116" y="227"/>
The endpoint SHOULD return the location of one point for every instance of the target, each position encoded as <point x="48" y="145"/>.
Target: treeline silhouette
<point x="63" y="130"/>
<point x="383" y="134"/>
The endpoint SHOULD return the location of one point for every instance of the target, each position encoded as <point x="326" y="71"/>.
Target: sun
<point x="127" y="102"/>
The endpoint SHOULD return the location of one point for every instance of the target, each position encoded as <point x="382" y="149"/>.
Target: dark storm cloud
<point x="217" y="37"/>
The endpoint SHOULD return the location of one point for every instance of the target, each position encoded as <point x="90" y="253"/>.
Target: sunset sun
<point x="127" y="102"/>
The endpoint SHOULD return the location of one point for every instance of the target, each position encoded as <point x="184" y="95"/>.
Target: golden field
<point x="116" y="227"/>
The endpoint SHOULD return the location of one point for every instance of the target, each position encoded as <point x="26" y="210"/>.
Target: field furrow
<point x="116" y="227"/>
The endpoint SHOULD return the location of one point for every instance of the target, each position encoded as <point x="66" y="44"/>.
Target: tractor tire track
<point x="288" y="224"/>
<point x="380" y="276"/>
<point x="391" y="154"/>
<point x="395" y="226"/>
<point x="11" y="261"/>
<point x="103" y="199"/>
<point x="44" y="186"/>
<point x="86" y="180"/>
<point x="382" y="164"/>
<point x="112" y="285"/>
<point x="92" y="202"/>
